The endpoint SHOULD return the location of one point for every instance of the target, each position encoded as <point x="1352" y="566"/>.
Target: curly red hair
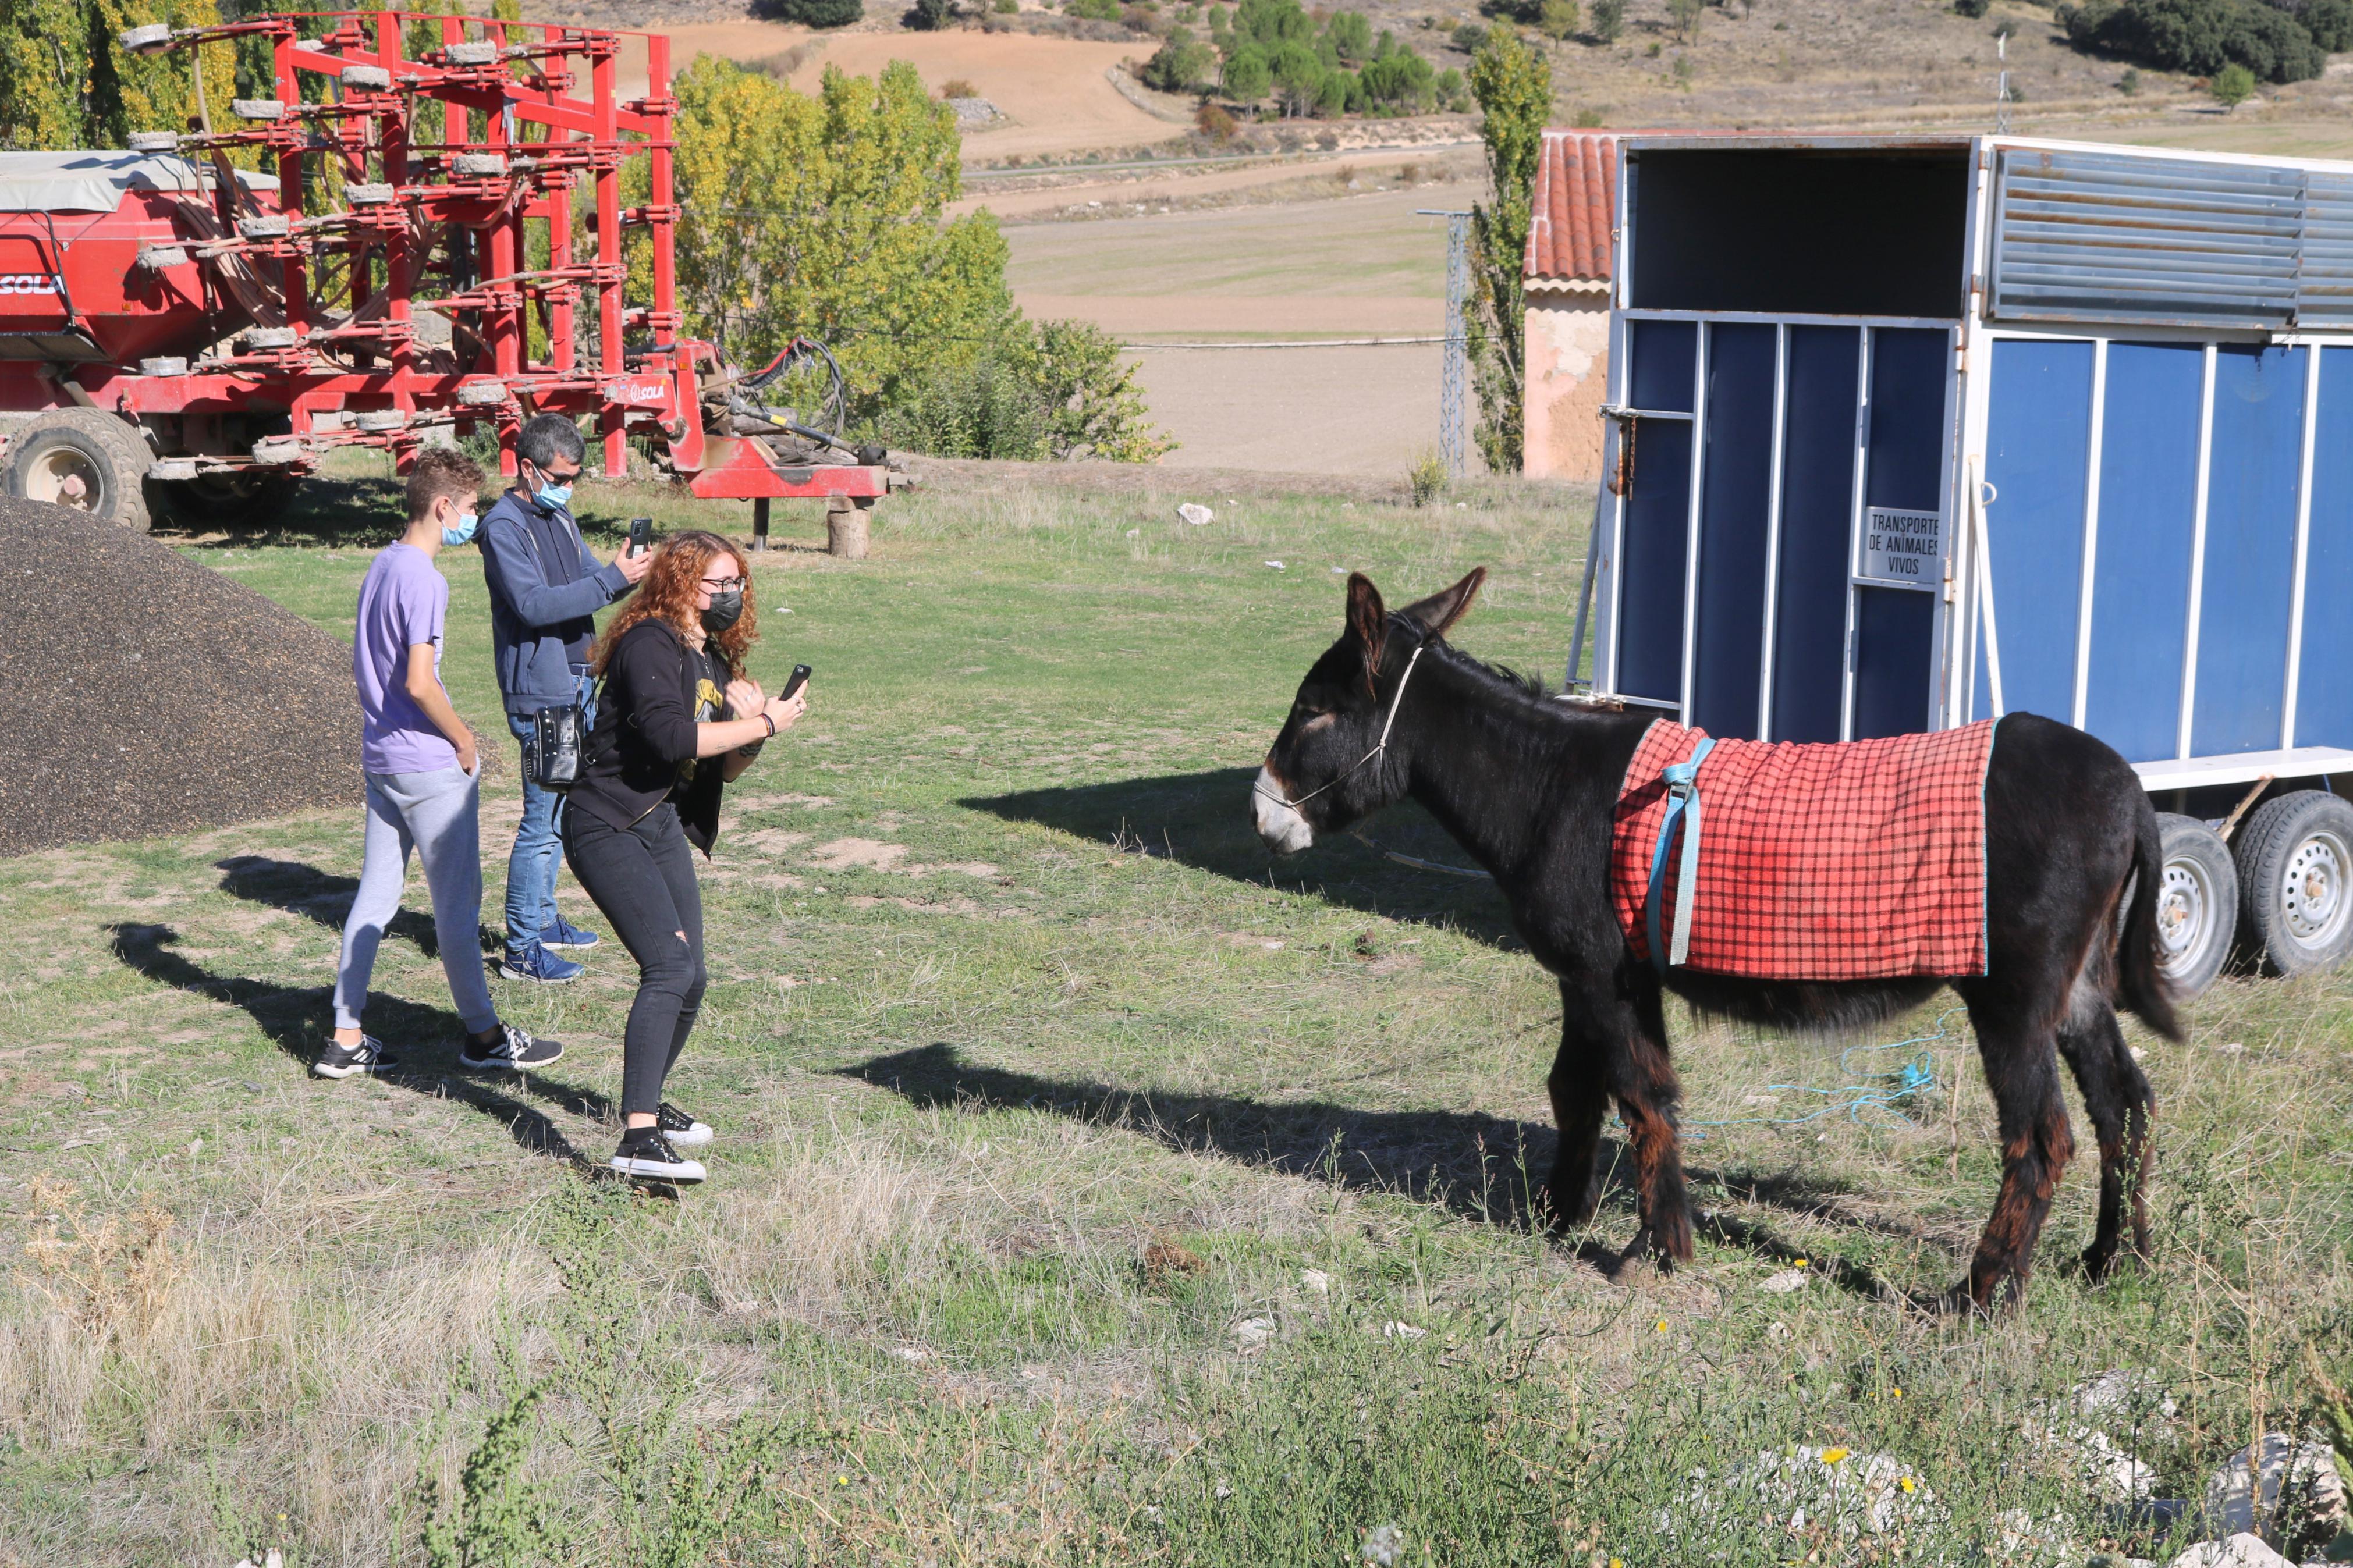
<point x="671" y="585"/>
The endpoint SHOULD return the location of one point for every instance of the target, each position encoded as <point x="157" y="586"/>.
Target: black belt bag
<point x="557" y="747"/>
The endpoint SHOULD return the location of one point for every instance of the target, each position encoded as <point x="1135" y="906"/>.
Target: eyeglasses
<point x="723" y="585"/>
<point x="552" y="477"/>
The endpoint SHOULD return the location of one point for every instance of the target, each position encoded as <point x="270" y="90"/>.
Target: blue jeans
<point x="531" y="869"/>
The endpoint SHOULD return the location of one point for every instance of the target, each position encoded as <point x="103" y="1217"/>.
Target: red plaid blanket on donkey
<point x="1857" y="861"/>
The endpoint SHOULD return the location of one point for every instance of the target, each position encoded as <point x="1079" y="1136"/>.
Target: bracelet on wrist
<point x="771" y="724"/>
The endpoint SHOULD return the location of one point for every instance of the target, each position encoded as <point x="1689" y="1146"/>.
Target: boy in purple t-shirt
<point x="423" y="784"/>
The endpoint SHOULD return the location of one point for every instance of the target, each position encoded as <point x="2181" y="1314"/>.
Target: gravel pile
<point x="142" y="694"/>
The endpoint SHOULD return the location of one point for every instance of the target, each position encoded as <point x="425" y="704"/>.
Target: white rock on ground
<point x="2122" y="1393"/>
<point x="1253" y="1332"/>
<point x="2240" y="1550"/>
<point x="1315" y="1280"/>
<point x="1853" y="1493"/>
<point x="2298" y="1485"/>
<point x="1197" y="514"/>
<point x="2106" y="1469"/>
<point x="1782" y="1283"/>
<point x="1384" y="1546"/>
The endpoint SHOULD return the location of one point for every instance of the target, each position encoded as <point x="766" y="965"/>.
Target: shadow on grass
<point x="298" y="1019"/>
<point x="321" y="896"/>
<point x="1486" y="1169"/>
<point x="1203" y="820"/>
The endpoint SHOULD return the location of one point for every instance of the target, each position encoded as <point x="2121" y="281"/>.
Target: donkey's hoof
<point x="1647" y="1248"/>
<point x="2098" y="1263"/>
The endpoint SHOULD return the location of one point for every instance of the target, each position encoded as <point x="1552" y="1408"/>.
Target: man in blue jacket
<point x="545" y="590"/>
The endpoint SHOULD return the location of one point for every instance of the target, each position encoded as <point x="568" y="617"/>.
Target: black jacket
<point x="641" y="751"/>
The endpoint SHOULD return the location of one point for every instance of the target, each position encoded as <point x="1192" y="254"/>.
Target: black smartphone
<point x="798" y="679"/>
<point x="641" y="534"/>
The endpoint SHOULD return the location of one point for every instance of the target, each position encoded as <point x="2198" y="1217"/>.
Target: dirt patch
<point x="177" y="699"/>
<point x="844" y="854"/>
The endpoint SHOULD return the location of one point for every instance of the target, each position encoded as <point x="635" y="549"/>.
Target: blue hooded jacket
<point x="545" y="590"/>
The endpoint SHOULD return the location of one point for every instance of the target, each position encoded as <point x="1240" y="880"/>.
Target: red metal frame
<point x="450" y="242"/>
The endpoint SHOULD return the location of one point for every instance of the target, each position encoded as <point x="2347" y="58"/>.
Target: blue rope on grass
<point x="1891" y="1092"/>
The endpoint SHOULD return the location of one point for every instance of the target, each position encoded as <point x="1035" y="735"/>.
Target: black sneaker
<point x="512" y="1051"/>
<point x="340" y="1060"/>
<point x="680" y="1128"/>
<point x="644" y="1151"/>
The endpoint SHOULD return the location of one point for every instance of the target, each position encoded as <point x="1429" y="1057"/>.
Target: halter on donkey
<point x="1529" y="786"/>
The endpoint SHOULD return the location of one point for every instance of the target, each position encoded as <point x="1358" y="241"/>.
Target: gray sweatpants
<point x="436" y="815"/>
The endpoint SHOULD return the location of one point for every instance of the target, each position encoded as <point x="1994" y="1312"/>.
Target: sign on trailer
<point x="1903" y="547"/>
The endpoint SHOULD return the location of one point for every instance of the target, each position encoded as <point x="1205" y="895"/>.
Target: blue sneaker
<point x="564" y="933"/>
<point x="535" y="962"/>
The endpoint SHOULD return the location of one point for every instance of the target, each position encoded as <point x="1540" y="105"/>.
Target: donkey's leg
<point x="1643" y="1081"/>
<point x="2118" y="1098"/>
<point x="1581" y="1097"/>
<point x="2015" y="1042"/>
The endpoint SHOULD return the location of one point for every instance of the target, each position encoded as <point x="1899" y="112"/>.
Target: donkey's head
<point x="1327" y="768"/>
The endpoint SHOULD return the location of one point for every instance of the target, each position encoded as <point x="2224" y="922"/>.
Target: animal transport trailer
<point x="1905" y="433"/>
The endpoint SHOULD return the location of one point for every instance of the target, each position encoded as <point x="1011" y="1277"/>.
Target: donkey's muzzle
<point x="1279" y="822"/>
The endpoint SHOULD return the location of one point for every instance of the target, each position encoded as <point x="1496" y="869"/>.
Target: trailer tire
<point x="85" y="458"/>
<point x="2295" y="882"/>
<point x="2196" y="903"/>
<point x="231" y="501"/>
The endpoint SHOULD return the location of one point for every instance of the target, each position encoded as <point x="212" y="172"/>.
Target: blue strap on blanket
<point x="1682" y="794"/>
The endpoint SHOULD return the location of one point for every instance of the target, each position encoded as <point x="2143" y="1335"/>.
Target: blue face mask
<point x="462" y="532"/>
<point x="555" y="498"/>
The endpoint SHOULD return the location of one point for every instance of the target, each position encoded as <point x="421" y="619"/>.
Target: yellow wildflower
<point x="1832" y="1456"/>
<point x="1661" y="1327"/>
<point x="1906" y="1482"/>
<point x="1800" y="1263"/>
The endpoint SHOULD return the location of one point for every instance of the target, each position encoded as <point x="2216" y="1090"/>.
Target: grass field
<point x="1089" y="1187"/>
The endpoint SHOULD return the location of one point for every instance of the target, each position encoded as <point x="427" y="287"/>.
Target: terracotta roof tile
<point x="1575" y="201"/>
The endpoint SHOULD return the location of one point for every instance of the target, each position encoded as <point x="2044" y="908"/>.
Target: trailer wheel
<point x="85" y="458"/>
<point x="2295" y="881"/>
<point x="229" y="501"/>
<point x="2196" y="903"/>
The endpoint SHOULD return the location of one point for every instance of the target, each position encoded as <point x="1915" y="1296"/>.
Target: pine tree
<point x="1513" y="86"/>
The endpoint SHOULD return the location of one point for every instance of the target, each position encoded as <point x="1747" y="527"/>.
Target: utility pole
<point x="1455" y="373"/>
<point x="2001" y="89"/>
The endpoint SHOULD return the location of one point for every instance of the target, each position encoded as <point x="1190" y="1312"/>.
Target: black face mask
<point x="725" y="610"/>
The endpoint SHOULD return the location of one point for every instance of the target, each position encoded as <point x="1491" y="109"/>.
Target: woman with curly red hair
<point x="676" y="722"/>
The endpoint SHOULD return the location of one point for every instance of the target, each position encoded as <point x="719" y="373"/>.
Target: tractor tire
<point x="2295" y="881"/>
<point x="85" y="458"/>
<point x="236" y="502"/>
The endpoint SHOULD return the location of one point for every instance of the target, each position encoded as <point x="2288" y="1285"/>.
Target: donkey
<point x="1528" y="785"/>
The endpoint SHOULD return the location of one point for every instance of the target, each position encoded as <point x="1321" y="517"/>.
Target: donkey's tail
<point x="2143" y="987"/>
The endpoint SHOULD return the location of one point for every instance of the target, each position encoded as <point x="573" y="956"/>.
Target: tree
<point x="66" y="81"/>
<point x="1513" y="86"/>
<point x="1352" y="37"/>
<point x="1093" y="407"/>
<point x="812" y="13"/>
<point x="1684" y="15"/>
<point x="2330" y="23"/>
<point x="1607" y="19"/>
<point x="2199" y="35"/>
<point x="824" y="215"/>
<point x="2232" y="86"/>
<point x="1557" y="20"/>
<point x="933" y="15"/>
<point x="1298" y="77"/>
<point x="1181" y="64"/>
<point x="1247" y="77"/>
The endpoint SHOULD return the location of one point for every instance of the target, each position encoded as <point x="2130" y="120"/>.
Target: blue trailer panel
<point x="2151" y="416"/>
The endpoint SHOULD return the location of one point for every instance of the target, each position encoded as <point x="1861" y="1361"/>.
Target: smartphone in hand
<point x="798" y="679"/>
<point x="641" y="534"/>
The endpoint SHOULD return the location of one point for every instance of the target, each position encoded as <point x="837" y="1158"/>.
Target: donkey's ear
<point x="1368" y="620"/>
<point x="1447" y="605"/>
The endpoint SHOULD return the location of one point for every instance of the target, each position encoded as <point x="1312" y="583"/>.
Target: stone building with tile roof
<point x="1567" y="276"/>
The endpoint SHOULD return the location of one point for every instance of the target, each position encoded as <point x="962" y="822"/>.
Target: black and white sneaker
<point x="340" y="1060"/>
<point x="680" y="1128"/>
<point x="512" y="1051"/>
<point x="644" y="1151"/>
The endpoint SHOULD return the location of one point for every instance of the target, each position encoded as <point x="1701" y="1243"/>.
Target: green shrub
<point x="982" y="408"/>
<point x="2330" y="23"/>
<point x="2200" y="36"/>
<point x="1607" y="19"/>
<point x="2233" y="85"/>
<point x="1181" y="64"/>
<point x="812" y="13"/>
<point x="1558" y="20"/>
<point x="1970" y="9"/>
<point x="1469" y="37"/>
<point x="1426" y="480"/>
<point x="1094" y="10"/>
<point x="931" y="16"/>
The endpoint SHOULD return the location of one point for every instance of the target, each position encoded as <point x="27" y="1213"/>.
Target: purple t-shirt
<point x="402" y="603"/>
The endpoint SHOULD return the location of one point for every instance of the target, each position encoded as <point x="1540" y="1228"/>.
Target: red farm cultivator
<point x="440" y="246"/>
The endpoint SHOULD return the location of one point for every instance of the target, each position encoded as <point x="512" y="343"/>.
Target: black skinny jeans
<point x="642" y="879"/>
